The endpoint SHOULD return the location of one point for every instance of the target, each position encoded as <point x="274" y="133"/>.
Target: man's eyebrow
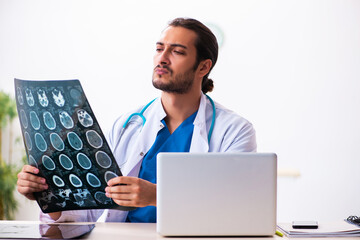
<point x="172" y="45"/>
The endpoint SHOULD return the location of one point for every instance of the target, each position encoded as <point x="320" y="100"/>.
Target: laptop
<point x="216" y="194"/>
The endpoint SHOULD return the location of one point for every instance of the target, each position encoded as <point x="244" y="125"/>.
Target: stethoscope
<point x="141" y="115"/>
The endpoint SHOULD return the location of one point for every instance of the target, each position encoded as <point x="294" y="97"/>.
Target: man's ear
<point x="204" y="67"/>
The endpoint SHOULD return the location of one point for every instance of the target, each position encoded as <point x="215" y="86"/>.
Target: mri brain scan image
<point x="65" y="193"/>
<point x="75" y="180"/>
<point x="84" y="118"/>
<point x="29" y="97"/>
<point x="76" y="97"/>
<point x="109" y="175"/>
<point x="66" y="120"/>
<point x="74" y="141"/>
<point x="58" y="98"/>
<point x="93" y="180"/>
<point x="43" y="100"/>
<point x="94" y="139"/>
<point x="19" y="96"/>
<point x="48" y="163"/>
<point x="65" y="162"/>
<point x="58" y="181"/>
<point x="32" y="161"/>
<point x="34" y="120"/>
<point x="103" y="159"/>
<point x="65" y="142"/>
<point x="57" y="142"/>
<point x="102" y="198"/>
<point x="83" y="161"/>
<point x="49" y="121"/>
<point x="23" y="119"/>
<point x="84" y="198"/>
<point x="28" y="141"/>
<point x="40" y="142"/>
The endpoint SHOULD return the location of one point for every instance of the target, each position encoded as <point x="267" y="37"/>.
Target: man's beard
<point x="180" y="83"/>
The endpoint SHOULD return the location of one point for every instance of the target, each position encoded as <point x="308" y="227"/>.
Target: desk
<point x="144" y="231"/>
<point x="147" y="231"/>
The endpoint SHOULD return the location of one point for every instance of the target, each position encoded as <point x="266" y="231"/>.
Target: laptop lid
<point x="216" y="194"/>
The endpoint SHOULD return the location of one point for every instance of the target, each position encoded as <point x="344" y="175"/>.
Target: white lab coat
<point x="231" y="133"/>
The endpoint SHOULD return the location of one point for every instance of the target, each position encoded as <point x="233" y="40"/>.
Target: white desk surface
<point x="147" y="231"/>
<point x="142" y="231"/>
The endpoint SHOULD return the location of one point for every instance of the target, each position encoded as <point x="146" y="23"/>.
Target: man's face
<point x="174" y="60"/>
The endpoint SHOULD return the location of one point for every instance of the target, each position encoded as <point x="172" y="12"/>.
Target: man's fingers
<point x="124" y="203"/>
<point x="30" y="177"/>
<point x="29" y="189"/>
<point x="32" y="185"/>
<point x="30" y="169"/>
<point x="28" y="174"/>
<point x="122" y="180"/>
<point x="25" y="176"/>
<point x="119" y="189"/>
<point x="137" y="192"/>
<point x="120" y="196"/>
<point x="28" y="182"/>
<point x="124" y="199"/>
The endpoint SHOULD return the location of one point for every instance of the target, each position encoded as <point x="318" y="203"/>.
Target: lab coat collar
<point x="153" y="115"/>
<point x="199" y="142"/>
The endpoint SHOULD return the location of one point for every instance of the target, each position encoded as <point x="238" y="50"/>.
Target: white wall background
<point x="290" y="67"/>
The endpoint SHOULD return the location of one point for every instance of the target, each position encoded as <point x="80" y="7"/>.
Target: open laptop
<point x="216" y="194"/>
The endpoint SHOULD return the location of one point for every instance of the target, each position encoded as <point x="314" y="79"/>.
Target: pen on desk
<point x="279" y="233"/>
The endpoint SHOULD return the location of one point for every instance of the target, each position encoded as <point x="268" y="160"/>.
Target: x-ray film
<point x="63" y="139"/>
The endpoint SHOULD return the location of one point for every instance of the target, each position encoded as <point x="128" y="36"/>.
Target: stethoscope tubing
<point x="141" y="115"/>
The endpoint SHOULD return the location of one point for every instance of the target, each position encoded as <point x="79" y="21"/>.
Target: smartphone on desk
<point x="305" y="224"/>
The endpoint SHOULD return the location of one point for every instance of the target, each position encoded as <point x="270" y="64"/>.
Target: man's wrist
<point x="55" y="215"/>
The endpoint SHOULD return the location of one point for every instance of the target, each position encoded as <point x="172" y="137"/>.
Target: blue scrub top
<point x="178" y="141"/>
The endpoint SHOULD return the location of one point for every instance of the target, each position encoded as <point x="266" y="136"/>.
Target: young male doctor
<point x="183" y="119"/>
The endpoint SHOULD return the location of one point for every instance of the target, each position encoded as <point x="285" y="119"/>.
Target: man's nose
<point x="164" y="58"/>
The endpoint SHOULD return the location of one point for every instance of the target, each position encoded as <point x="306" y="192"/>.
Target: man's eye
<point x="159" y="49"/>
<point x="179" y="52"/>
